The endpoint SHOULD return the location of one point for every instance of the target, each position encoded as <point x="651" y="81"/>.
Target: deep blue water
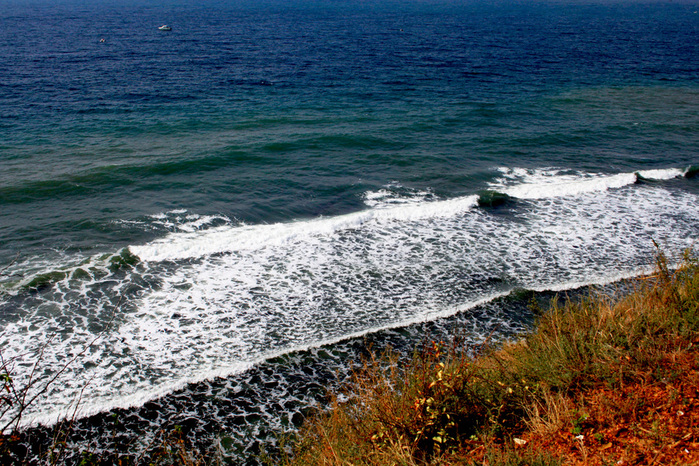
<point x="271" y="177"/>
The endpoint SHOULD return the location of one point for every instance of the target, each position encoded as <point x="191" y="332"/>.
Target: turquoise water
<point x="273" y="178"/>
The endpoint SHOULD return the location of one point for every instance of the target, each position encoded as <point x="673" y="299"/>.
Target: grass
<point x="598" y="381"/>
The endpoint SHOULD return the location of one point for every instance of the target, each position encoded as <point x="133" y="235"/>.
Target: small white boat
<point x="165" y="27"/>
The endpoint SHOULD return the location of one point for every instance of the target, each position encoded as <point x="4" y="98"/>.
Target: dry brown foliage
<point x="600" y="381"/>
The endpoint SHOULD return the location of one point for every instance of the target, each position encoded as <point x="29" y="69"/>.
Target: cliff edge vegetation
<point x="601" y="380"/>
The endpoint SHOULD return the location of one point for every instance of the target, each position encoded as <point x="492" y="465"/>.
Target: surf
<point x="214" y="297"/>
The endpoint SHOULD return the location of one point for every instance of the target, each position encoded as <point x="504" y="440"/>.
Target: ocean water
<point x="204" y="227"/>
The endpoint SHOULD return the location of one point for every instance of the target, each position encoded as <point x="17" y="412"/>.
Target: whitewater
<point x="212" y="300"/>
<point x="208" y="227"/>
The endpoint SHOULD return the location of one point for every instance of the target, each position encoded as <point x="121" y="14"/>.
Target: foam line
<point x="214" y="300"/>
<point x="86" y="409"/>
<point x="570" y="188"/>
<point x="192" y="243"/>
<point x="228" y="238"/>
<point x="662" y="174"/>
<point x="542" y="184"/>
<point x="139" y="399"/>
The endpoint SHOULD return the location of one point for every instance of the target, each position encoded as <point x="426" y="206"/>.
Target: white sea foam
<point x="661" y="174"/>
<point x="569" y="187"/>
<point x="89" y="407"/>
<point x="214" y="300"/>
<point x="176" y="220"/>
<point x="239" y="238"/>
<point x="395" y="194"/>
<point x="548" y="183"/>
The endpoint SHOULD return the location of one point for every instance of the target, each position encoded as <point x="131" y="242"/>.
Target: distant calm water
<point x="209" y="206"/>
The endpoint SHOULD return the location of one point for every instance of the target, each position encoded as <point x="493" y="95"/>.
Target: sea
<point x="205" y="229"/>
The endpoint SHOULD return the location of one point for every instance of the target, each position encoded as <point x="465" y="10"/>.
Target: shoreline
<point x="558" y="395"/>
<point x="325" y="362"/>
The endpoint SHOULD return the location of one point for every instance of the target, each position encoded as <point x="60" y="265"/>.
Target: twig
<point x="25" y="390"/>
<point x="2" y="271"/>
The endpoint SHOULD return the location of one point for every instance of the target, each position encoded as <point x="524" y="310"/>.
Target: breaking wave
<point x="215" y="297"/>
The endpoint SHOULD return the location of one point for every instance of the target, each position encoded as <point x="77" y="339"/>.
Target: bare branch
<point x="22" y="394"/>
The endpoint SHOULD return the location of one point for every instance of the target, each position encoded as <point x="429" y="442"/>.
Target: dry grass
<point x="596" y="382"/>
<point x="599" y="381"/>
<point x="549" y="413"/>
